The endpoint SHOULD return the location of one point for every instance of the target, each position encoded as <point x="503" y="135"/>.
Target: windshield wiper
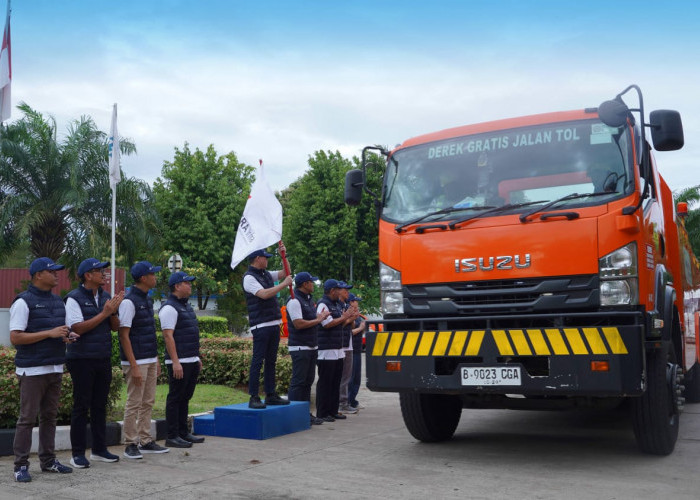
<point x="572" y="196"/>
<point x="493" y="210"/>
<point x="447" y="210"/>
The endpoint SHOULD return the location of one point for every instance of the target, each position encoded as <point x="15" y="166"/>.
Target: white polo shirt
<point x="168" y="319"/>
<point x="253" y="286"/>
<point x="328" y="354"/>
<point x="19" y="318"/>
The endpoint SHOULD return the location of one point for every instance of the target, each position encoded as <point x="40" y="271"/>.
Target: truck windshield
<point x="509" y="167"/>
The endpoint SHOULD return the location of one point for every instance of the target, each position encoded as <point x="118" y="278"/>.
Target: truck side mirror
<point x="613" y="113"/>
<point x="666" y="130"/>
<point x="354" y="182"/>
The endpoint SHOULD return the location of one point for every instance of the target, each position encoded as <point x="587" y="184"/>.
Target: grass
<point x="206" y="397"/>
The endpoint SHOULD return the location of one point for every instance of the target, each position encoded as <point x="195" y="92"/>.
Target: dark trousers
<point x="303" y="374"/>
<point x="178" y="401"/>
<point x="38" y="395"/>
<point x="266" y="340"/>
<point x="328" y="387"/>
<point x="356" y="379"/>
<point x="91" y="380"/>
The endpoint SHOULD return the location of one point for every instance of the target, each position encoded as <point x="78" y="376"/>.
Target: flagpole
<point x="114" y="235"/>
<point x="285" y="263"/>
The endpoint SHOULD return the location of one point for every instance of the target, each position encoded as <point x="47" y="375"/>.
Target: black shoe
<point x="339" y="416"/>
<point x="132" y="451"/>
<point x="316" y="421"/>
<point x="177" y="442"/>
<point x="255" y="403"/>
<point x="328" y="418"/>
<point x="193" y="439"/>
<point x="274" y="399"/>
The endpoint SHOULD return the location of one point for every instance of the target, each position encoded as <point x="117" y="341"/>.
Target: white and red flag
<point x="6" y="71"/>
<point x="261" y="224"/>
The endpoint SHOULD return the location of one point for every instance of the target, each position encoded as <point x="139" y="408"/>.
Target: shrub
<point x="213" y="326"/>
<point x="9" y="391"/>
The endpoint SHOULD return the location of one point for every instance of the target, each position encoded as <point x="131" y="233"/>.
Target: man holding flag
<point x="260" y="227"/>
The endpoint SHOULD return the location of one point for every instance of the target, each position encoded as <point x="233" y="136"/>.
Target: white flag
<point x="261" y="224"/>
<point x="115" y="174"/>
<point x="6" y="71"/>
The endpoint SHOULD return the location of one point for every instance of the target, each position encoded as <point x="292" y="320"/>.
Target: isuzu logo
<point x="490" y="263"/>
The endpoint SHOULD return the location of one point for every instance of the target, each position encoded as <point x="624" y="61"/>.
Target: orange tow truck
<point x="535" y="263"/>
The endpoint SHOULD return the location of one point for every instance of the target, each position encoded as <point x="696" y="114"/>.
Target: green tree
<point x="200" y="197"/>
<point x="56" y="193"/>
<point x="691" y="196"/>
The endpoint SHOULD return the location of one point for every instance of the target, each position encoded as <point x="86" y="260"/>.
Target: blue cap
<point x="352" y="297"/>
<point x="143" y="268"/>
<point x="342" y="284"/>
<point x="303" y="277"/>
<point x="43" y="264"/>
<point x="330" y="284"/>
<point x="259" y="253"/>
<point x="179" y="277"/>
<point x="89" y="265"/>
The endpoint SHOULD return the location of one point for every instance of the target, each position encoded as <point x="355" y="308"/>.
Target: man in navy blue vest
<point x="347" y="347"/>
<point x="356" y="380"/>
<point x="91" y="314"/>
<point x="38" y="330"/>
<point x="265" y="318"/>
<point x="139" y="355"/>
<point x="330" y="352"/>
<point x="181" y="333"/>
<point x="303" y="338"/>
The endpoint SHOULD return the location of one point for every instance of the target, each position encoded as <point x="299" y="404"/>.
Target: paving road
<point x="495" y="454"/>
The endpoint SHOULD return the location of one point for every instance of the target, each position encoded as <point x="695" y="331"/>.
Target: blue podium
<point x="239" y="421"/>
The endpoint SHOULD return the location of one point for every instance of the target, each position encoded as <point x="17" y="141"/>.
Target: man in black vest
<point x="91" y="314"/>
<point x="303" y="338"/>
<point x="181" y="334"/>
<point x="330" y="352"/>
<point x="265" y="318"/>
<point x="38" y="331"/>
<point x="139" y="355"/>
<point x="356" y="380"/>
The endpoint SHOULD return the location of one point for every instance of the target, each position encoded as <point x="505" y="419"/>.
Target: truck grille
<point x="533" y="295"/>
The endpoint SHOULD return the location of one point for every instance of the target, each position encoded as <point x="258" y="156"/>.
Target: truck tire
<point x="430" y="417"/>
<point x="692" y="384"/>
<point x="655" y="414"/>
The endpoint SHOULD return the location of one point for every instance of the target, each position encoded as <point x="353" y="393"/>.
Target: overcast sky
<point x="279" y="80"/>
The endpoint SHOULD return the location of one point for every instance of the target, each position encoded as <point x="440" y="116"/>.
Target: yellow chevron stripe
<point x="457" y="344"/>
<point x="575" y="341"/>
<point x="380" y="343"/>
<point x="612" y="335"/>
<point x="595" y="341"/>
<point x="520" y="342"/>
<point x="556" y="341"/>
<point x="425" y="343"/>
<point x="409" y="345"/>
<point x="475" y="339"/>
<point x="441" y="343"/>
<point x="394" y="344"/>
<point x="538" y="342"/>
<point x="502" y="342"/>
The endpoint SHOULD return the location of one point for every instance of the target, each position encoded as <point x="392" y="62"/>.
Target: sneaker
<point x="80" y="462"/>
<point x="58" y="467"/>
<point x="177" y="442"/>
<point x="22" y="474"/>
<point x="193" y="439"/>
<point x="274" y="399"/>
<point x="255" y="403"/>
<point x="339" y="416"/>
<point x="348" y="409"/>
<point x="315" y="420"/>
<point x="104" y="456"/>
<point x="152" y="447"/>
<point x="357" y="405"/>
<point x="132" y="451"/>
<point x="328" y="419"/>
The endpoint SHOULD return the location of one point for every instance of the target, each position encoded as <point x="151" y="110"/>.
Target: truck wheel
<point x="692" y="384"/>
<point x="655" y="414"/>
<point x="430" y="417"/>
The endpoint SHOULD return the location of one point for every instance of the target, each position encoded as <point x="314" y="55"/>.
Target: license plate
<point x="490" y="375"/>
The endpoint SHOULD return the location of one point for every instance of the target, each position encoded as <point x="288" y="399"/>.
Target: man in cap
<point x="181" y="333"/>
<point x="264" y="317"/>
<point x="303" y="319"/>
<point x="330" y="352"/>
<point x="347" y="347"/>
<point x="39" y="333"/>
<point x="139" y="354"/>
<point x="356" y="379"/>
<point x="91" y="314"/>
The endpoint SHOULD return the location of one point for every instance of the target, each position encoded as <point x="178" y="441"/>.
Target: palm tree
<point x="691" y="196"/>
<point x="56" y="195"/>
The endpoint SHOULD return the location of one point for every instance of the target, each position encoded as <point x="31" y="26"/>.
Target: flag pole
<point x="114" y="236"/>
<point x="285" y="263"/>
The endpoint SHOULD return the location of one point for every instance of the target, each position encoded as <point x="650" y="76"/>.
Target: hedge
<point x="9" y="391"/>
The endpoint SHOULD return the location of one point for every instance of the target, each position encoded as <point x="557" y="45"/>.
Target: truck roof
<point x="509" y="123"/>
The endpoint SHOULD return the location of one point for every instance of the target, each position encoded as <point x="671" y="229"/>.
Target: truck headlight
<point x="390" y="286"/>
<point x="618" y="277"/>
